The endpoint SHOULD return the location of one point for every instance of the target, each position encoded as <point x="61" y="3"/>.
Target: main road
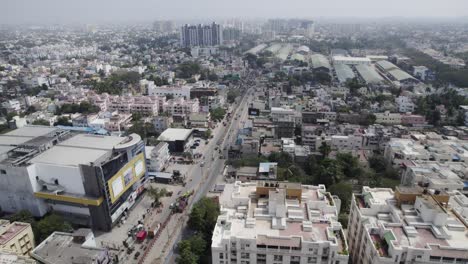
<point x="203" y="176"/>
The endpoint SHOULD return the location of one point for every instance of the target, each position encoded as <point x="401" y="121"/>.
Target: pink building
<point x="413" y="120"/>
<point x="180" y="106"/>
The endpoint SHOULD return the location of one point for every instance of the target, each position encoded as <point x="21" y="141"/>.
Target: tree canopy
<point x="187" y="70"/>
<point x="217" y="113"/>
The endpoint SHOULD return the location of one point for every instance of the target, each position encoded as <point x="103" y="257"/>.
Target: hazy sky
<point x="91" y="11"/>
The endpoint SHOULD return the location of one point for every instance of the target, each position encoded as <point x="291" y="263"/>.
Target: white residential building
<point x="420" y="71"/>
<point x="449" y="176"/>
<point x="146" y="86"/>
<point x="408" y="226"/>
<point x="425" y="148"/>
<point x="162" y="123"/>
<point x="346" y="143"/>
<point x="174" y="91"/>
<point x="388" y="118"/>
<point x="278" y="222"/>
<point x="157" y="157"/>
<point x="11" y="105"/>
<point x="405" y="104"/>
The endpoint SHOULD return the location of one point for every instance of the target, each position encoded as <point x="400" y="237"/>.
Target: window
<point x="3" y="171"/>
<point x="245" y="255"/>
<point x="278" y="258"/>
<point x="221" y="255"/>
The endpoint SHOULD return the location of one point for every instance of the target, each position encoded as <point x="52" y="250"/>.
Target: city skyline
<point x="53" y="11"/>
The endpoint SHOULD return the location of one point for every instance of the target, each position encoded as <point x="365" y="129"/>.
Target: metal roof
<point x="369" y="74"/>
<point x="298" y="57"/>
<point x="283" y="53"/>
<point x="319" y="60"/>
<point x="400" y="75"/>
<point x="344" y="72"/>
<point x="255" y="50"/>
<point x="386" y="65"/>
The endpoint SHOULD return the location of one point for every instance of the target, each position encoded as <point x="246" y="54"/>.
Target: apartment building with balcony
<point x="410" y="225"/>
<point x="448" y="176"/>
<point x="425" y="148"/>
<point x="145" y="105"/>
<point x="181" y="106"/>
<point x="174" y="91"/>
<point x="278" y="222"/>
<point x="16" y="237"/>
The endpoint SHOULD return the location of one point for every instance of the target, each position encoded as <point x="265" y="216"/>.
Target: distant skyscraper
<point x="231" y="34"/>
<point x="201" y="35"/>
<point x="163" y="26"/>
<point x="303" y="27"/>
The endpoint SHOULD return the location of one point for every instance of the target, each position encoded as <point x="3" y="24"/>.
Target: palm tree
<point x="156" y="194"/>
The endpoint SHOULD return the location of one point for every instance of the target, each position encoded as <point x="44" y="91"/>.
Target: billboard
<point x="126" y="177"/>
<point x="254" y="111"/>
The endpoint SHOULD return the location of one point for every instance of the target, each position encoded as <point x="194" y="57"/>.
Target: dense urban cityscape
<point x="235" y="141"/>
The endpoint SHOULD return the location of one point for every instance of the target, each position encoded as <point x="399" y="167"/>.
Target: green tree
<point x="283" y="159"/>
<point x="204" y="216"/>
<point x="377" y="163"/>
<point x="41" y="122"/>
<point x="187" y="70"/>
<point x="344" y="191"/>
<point x="31" y="109"/>
<point x="156" y="194"/>
<point x="22" y="216"/>
<point x="186" y="256"/>
<point x="208" y="133"/>
<point x="367" y="120"/>
<point x="145" y="130"/>
<point x="349" y="164"/>
<point x="197" y="244"/>
<point x="324" y="149"/>
<point x="311" y="166"/>
<point x="88" y="108"/>
<point x="63" y="121"/>
<point x="217" y="113"/>
<point x="232" y="94"/>
<point x="10" y="115"/>
<point x="329" y="172"/>
<point x="50" y="224"/>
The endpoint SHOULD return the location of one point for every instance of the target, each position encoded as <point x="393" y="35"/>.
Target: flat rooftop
<point x="12" y="231"/>
<point x="79" y="149"/>
<point x="59" y="248"/>
<point x="69" y="156"/>
<point x="12" y="258"/>
<point x="408" y="226"/>
<point x="175" y="134"/>
<point x="311" y="218"/>
<point x="30" y="131"/>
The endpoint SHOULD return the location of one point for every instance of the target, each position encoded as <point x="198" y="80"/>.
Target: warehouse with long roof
<point x="320" y="62"/>
<point x="369" y="74"/>
<point x="394" y="71"/>
<point x="344" y="73"/>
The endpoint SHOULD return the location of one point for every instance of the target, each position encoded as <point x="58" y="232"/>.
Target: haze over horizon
<point x="88" y="11"/>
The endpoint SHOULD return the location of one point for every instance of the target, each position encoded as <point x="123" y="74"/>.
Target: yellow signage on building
<point x="126" y="177"/>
